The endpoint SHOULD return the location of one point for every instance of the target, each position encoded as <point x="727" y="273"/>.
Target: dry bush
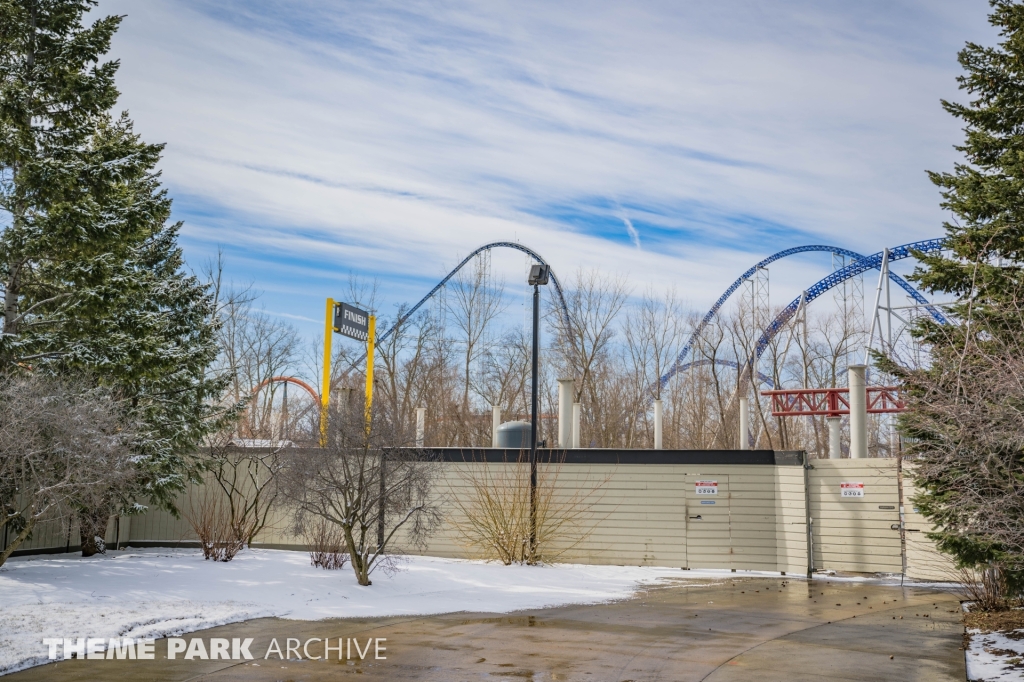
<point x="326" y="543"/>
<point x="365" y="482"/>
<point x="492" y="517"/>
<point x="987" y="590"/>
<point x="209" y="515"/>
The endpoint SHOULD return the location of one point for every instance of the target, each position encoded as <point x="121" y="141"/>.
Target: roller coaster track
<point x="861" y="264"/>
<point x="855" y="268"/>
<point x="486" y="247"/>
<point x="763" y="378"/>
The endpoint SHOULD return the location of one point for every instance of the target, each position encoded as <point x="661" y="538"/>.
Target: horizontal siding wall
<point x="790" y="520"/>
<point x="855" y="533"/>
<point x="924" y="561"/>
<point x="637" y="514"/>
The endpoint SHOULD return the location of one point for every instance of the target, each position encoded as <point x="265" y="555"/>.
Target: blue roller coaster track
<point x="861" y="264"/>
<point x="857" y="267"/>
<point x="486" y="247"/>
<point x="763" y="378"/>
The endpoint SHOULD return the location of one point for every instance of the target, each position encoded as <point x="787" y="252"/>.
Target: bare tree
<point x="365" y="483"/>
<point x="653" y="333"/>
<point x="63" y="447"/>
<point x="255" y="347"/>
<point x="474" y="300"/>
<point x="583" y="341"/>
<point x="506" y="373"/>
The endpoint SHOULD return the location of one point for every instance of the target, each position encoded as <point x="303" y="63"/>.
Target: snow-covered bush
<point x="63" y="445"/>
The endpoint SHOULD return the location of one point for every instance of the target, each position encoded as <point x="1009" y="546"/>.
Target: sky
<point x="672" y="143"/>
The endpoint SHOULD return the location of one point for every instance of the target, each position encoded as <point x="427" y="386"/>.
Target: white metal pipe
<point x="421" y="425"/>
<point x="858" y="412"/>
<point x="495" y="423"/>
<point x="576" y="424"/>
<point x="744" y="440"/>
<point x="565" y="413"/>
<point x="835" y="442"/>
<point x="658" y="424"/>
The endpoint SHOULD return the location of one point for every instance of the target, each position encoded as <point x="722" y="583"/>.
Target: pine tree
<point x="964" y="414"/>
<point x="93" y="279"/>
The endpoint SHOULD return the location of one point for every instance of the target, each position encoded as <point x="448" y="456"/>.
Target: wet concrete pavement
<point x="715" y="630"/>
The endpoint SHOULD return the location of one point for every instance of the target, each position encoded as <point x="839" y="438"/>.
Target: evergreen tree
<point x="964" y="414"/>
<point x="92" y="277"/>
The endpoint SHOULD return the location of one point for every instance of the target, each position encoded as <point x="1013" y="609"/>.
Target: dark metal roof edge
<point x="607" y="455"/>
<point x="616" y="456"/>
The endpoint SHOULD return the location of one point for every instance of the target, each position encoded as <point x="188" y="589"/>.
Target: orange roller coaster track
<point x="289" y="380"/>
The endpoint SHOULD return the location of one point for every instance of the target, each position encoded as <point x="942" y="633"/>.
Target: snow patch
<point x="160" y="592"/>
<point x="995" y="656"/>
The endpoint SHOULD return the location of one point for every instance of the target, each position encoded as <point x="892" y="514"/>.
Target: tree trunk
<point x="21" y="537"/>
<point x="357" y="559"/>
<point x="92" y="524"/>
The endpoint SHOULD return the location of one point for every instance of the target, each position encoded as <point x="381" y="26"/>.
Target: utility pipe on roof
<point x="495" y="424"/>
<point x="744" y="440"/>
<point x="835" y="443"/>
<point x="565" y="387"/>
<point x="576" y="409"/>
<point x="858" y="412"/>
<point x="658" y="424"/>
<point x="421" y="425"/>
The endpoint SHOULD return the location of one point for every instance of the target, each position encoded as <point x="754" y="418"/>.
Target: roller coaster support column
<point x="564" y="412"/>
<point x="658" y="424"/>
<point x="744" y="442"/>
<point x="858" y="412"/>
<point x="835" y="442"/>
<point x="325" y="389"/>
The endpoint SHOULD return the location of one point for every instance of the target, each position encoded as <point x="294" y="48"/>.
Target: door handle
<point x="696" y="517"/>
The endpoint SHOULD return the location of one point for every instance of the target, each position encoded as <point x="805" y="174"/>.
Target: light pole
<point x="538" y="277"/>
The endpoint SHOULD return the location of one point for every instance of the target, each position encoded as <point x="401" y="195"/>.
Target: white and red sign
<point x="706" y="487"/>
<point x="851" y="489"/>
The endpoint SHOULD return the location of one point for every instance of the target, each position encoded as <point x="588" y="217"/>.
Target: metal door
<point x="708" y="526"/>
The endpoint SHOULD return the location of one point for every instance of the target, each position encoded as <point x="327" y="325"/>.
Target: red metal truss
<point x="832" y="402"/>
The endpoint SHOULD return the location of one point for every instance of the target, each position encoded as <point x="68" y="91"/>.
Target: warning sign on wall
<point x="707" y="487"/>
<point x="851" y="489"/>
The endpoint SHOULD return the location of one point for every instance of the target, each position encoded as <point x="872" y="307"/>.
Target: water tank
<point x="515" y="435"/>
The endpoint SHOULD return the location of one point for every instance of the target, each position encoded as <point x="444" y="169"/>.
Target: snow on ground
<point x="994" y="656"/>
<point x="160" y="592"/>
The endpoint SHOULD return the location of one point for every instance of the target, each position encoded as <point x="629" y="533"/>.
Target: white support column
<point x="858" y="412"/>
<point x="658" y="424"/>
<point x="495" y="423"/>
<point x="564" y="413"/>
<point x="421" y="425"/>
<point x="576" y="425"/>
<point x="835" y="442"/>
<point x="744" y="441"/>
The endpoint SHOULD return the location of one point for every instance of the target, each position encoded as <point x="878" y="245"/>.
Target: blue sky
<point x="674" y="142"/>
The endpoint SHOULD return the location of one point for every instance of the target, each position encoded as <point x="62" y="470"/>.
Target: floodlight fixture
<point x="539" y="274"/>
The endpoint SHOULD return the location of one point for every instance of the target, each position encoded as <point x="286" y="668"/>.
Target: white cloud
<point x="391" y="137"/>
